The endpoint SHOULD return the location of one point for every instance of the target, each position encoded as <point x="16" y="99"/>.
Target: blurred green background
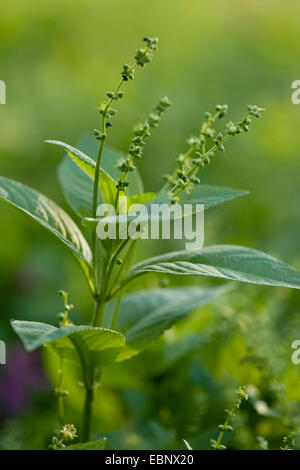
<point x="58" y="59"/>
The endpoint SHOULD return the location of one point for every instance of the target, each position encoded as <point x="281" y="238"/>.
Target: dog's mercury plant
<point x="120" y="325"/>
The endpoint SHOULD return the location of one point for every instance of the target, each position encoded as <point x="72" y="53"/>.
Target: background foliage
<point x="57" y="59"/>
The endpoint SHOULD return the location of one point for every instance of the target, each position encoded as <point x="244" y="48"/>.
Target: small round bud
<point x="101" y="136"/>
<point x="194" y="179"/>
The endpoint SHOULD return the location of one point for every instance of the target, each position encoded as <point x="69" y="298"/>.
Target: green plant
<point x="291" y="441"/>
<point x="242" y="395"/>
<point x="132" y="321"/>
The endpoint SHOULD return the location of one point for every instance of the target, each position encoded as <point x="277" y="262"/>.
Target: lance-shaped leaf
<point x="106" y="183"/>
<point x="211" y="196"/>
<point x="49" y="215"/>
<point x="90" y="345"/>
<point x="236" y="263"/>
<point x="152" y="319"/>
<point x="140" y="304"/>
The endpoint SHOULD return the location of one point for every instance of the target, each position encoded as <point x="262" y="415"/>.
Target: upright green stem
<point x="60" y="394"/>
<point x="96" y="185"/>
<point x="115" y="317"/>
<point x="100" y="294"/>
<point x="95" y="312"/>
<point x="87" y="416"/>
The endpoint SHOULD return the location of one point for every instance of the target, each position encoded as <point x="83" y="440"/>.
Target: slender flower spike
<point x="140" y="133"/>
<point x="142" y="57"/>
<point x="241" y="395"/>
<point x="197" y="156"/>
<point x="64" y="316"/>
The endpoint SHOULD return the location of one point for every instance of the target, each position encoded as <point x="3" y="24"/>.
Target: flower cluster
<point x="291" y="441"/>
<point x="63" y="436"/>
<point x="140" y="133"/>
<point x="143" y="56"/>
<point x="241" y="395"/>
<point x="196" y="149"/>
<point x="197" y="155"/>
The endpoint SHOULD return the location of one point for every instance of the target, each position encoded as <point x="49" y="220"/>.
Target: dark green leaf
<point x="94" y="345"/>
<point x="146" y="315"/>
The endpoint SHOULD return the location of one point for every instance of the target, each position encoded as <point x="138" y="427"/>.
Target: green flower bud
<point x="209" y="133"/>
<point x="165" y="102"/>
<point x="153" y="120"/>
<point x="121" y="185"/>
<point x="138" y="140"/>
<point x="182" y="176"/>
<point x="194" y="180"/>
<point x="68" y="432"/>
<point x="225" y="427"/>
<point x="101" y="136"/>
<point x="143" y="56"/>
<point x="222" y="110"/>
<point x="175" y="200"/>
<point x="255" y="110"/>
<point x="198" y="161"/>
<point x="135" y="151"/>
<point x="232" y="129"/>
<point x="193" y="141"/>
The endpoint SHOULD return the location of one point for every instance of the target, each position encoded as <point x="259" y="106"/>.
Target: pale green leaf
<point x="49" y="215"/>
<point x="223" y="261"/>
<point x="126" y="202"/>
<point x="211" y="196"/>
<point x="106" y="183"/>
<point x="98" y="444"/>
<point x="77" y="186"/>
